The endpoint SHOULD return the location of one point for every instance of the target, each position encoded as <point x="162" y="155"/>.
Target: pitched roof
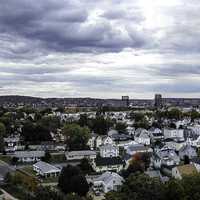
<point x="46" y="167"/>
<point x="81" y="153"/>
<point x="106" y="177"/>
<point x="108" y="161"/>
<point x="196" y="160"/>
<point x="108" y="147"/>
<point x="186" y="147"/>
<point x="121" y="137"/>
<point x="28" y="154"/>
<point x="187" y="169"/>
<point x="138" y="147"/>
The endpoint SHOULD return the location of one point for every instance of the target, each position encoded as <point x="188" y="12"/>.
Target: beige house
<point x="184" y="170"/>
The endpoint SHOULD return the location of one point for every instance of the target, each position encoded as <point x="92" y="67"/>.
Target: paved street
<point x="8" y="196"/>
<point x="4" y="169"/>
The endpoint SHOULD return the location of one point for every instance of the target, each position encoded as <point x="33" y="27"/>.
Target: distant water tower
<point x="126" y="100"/>
<point x="158" y="102"/>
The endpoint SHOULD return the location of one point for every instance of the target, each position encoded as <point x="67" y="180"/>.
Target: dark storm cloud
<point x="61" y="26"/>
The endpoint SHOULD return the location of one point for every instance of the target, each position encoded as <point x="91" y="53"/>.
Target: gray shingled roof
<point x="106" y="177"/>
<point x="138" y="147"/>
<point x="46" y="167"/>
<point x="81" y="153"/>
<point x="28" y="154"/>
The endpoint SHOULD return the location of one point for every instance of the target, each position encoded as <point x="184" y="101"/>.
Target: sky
<point x="101" y="49"/>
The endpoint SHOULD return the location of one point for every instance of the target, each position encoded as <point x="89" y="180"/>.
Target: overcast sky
<point x="106" y="48"/>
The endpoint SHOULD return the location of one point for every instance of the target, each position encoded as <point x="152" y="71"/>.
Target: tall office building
<point x="125" y="99"/>
<point x="158" y="102"/>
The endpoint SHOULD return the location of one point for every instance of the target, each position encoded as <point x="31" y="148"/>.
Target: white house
<point x="156" y="134"/>
<point x="108" y="181"/>
<point x="107" y="140"/>
<point x="138" y="148"/>
<point x="195" y="128"/>
<point x="109" y="150"/>
<point x="196" y="163"/>
<point x="112" y="132"/>
<point x="142" y="136"/>
<point x="97" y="140"/>
<point x="125" y="144"/>
<point x="108" y="164"/>
<point x="196" y="142"/>
<point x="11" y="143"/>
<point x="29" y="156"/>
<point x="130" y="130"/>
<point x="175" y="145"/>
<point x="45" y="169"/>
<point x="187" y="150"/>
<point x="173" y="133"/>
<point x="183" y="170"/>
<point x="78" y="155"/>
<point x="165" y="157"/>
<point x="92" y="141"/>
<point x="183" y="122"/>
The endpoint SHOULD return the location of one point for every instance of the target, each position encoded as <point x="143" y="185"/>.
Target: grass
<point x="29" y="170"/>
<point x="50" y="180"/>
<point x="15" y="191"/>
<point x="58" y="158"/>
<point x="6" y="158"/>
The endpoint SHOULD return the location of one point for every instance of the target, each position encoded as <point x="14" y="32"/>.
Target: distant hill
<point x="18" y="99"/>
<point x="92" y="102"/>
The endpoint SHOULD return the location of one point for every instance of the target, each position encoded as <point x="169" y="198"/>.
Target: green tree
<point x="83" y="121"/>
<point x="77" y="137"/>
<point x="174" y="190"/>
<point x="85" y="166"/>
<point x="142" y="124"/>
<point x="71" y="180"/>
<point x="138" y="187"/>
<point x="139" y="163"/>
<point x="35" y="132"/>
<point x="51" y="123"/>
<point x="137" y="116"/>
<point x="47" y="156"/>
<point x="194" y="115"/>
<point x="2" y="134"/>
<point x="101" y="126"/>
<point x="46" y="193"/>
<point x="121" y="127"/>
<point x="191" y="187"/>
<point x="174" y="114"/>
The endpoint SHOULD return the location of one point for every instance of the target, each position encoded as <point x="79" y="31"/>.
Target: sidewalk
<point x="8" y="196"/>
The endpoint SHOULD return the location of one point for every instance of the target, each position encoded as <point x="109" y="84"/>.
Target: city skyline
<point x="106" y="49"/>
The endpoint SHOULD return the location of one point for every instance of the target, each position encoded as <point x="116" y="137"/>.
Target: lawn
<point x="58" y="158"/>
<point x="29" y="170"/>
<point x="6" y="158"/>
<point x="15" y="191"/>
<point x="50" y="180"/>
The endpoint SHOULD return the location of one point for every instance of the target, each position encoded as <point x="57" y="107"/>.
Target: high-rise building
<point x="158" y="102"/>
<point x="126" y="100"/>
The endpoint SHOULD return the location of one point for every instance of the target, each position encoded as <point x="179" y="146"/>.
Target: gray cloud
<point x="84" y="47"/>
<point x="61" y="26"/>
